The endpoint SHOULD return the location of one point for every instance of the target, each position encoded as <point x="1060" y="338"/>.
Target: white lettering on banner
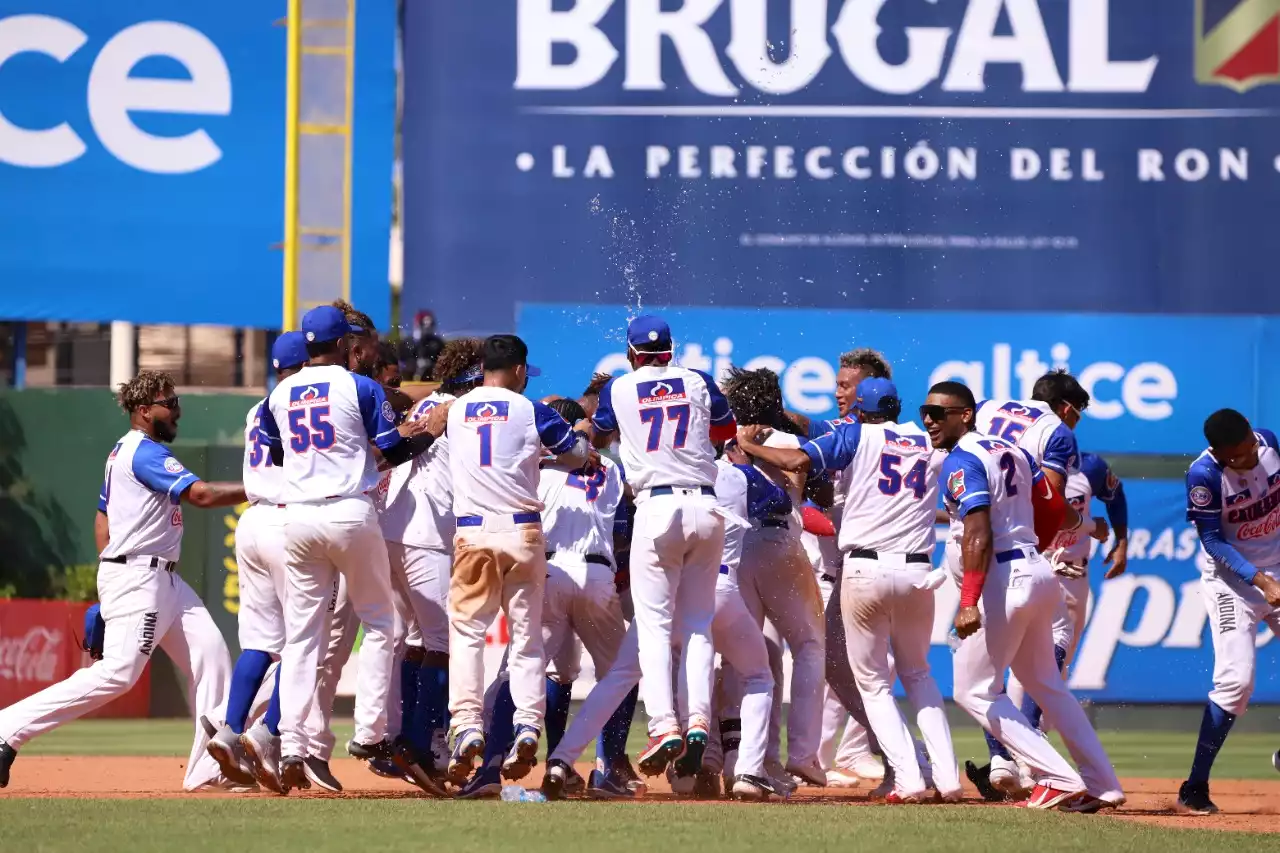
<point x="31" y="657"/>
<point x="540" y="26"/>
<point x="113" y="93"/>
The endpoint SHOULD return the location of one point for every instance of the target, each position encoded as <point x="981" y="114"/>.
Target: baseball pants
<point x="737" y="637"/>
<point x="885" y="609"/>
<point x="260" y="560"/>
<point x="1235" y="611"/>
<point x="580" y="600"/>
<point x="675" y="559"/>
<point x="1068" y="626"/>
<point x="143" y="607"/>
<point x="840" y="682"/>
<point x="499" y="565"/>
<point x="777" y="582"/>
<point x="603" y="700"/>
<point x="421" y="577"/>
<point x="343" y="627"/>
<point x="323" y="541"/>
<point x="1019" y="601"/>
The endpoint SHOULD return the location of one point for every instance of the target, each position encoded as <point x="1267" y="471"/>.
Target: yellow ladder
<point x="319" y="117"/>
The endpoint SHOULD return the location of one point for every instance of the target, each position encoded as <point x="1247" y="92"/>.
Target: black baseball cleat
<point x="1193" y="798"/>
<point x="981" y="779"/>
<point x="422" y="772"/>
<point x="7" y="756"/>
<point x="293" y="774"/>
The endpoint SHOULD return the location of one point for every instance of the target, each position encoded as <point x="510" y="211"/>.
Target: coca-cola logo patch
<point x="32" y="656"/>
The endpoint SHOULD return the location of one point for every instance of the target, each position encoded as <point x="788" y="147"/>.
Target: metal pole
<point x="124" y="363"/>
<point x="293" y="82"/>
<point x="19" y="355"/>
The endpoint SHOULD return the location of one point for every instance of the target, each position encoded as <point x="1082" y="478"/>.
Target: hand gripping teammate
<point x="496" y="439"/>
<point x="144" y="603"/>
<point x="668" y="417"/>
<point x="333" y="419"/>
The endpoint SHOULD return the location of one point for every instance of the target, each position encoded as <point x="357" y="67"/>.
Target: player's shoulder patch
<point x="172" y="465"/>
<point x="1113" y="482"/>
<point x="1200" y="496"/>
<point x="955" y="484"/>
<point x="388" y="411"/>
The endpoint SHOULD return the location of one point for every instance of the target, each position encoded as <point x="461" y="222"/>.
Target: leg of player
<point x="559" y="644"/>
<point x="854" y="757"/>
<point x="738" y="637"/>
<point x="337" y="643"/>
<point x="596" y="614"/>
<point x="523" y="587"/>
<point x="838" y="672"/>
<point x="475" y="598"/>
<point x="695" y="609"/>
<point x="427" y="578"/>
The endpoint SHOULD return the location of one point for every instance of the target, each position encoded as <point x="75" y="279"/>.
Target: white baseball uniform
<point x="496" y="439"/>
<point x="664" y="416"/>
<point x="144" y="602"/>
<point x="887" y="539"/>
<point x="1018" y="602"/>
<point x="1237" y="514"/>
<point x="260" y="546"/>
<point x="329" y="418"/>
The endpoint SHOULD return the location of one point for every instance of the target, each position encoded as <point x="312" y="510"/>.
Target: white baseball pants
<point x="737" y="637"/>
<point x="777" y="582"/>
<point x="675" y="559"/>
<point x="603" y="700"/>
<point x="1018" y="604"/>
<point x="499" y="565"/>
<point x="421" y="578"/>
<point x="260" y="560"/>
<point x="341" y="639"/>
<point x="855" y="741"/>
<point x="324" y="540"/>
<point x="1235" y="610"/>
<point x="143" y="607"/>
<point x="1068" y="626"/>
<point x="580" y="599"/>
<point x="884" y="610"/>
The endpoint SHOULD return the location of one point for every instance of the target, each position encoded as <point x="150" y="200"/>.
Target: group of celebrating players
<point x="717" y="524"/>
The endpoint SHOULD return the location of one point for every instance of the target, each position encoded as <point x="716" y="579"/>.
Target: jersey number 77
<point x="656" y="416"/>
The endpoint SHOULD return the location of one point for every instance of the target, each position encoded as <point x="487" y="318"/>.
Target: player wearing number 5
<point x="319" y="425"/>
<point x="668" y="417"/>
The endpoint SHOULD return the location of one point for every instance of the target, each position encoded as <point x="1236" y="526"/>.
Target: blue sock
<point x="246" y="678"/>
<point x="433" y="698"/>
<point x="409" y="723"/>
<point x="612" y="745"/>
<point x="1214" y="729"/>
<point x="272" y="718"/>
<point x="502" y="728"/>
<point x="1030" y="709"/>
<point x="996" y="748"/>
<point x="557" y="716"/>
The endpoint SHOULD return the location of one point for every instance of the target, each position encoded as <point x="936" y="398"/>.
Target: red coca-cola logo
<point x="33" y="656"/>
<point x="1262" y="528"/>
<point x="176" y="518"/>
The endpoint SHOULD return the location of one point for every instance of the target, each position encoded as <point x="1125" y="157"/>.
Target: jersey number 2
<point x="313" y="431"/>
<point x="893" y="481"/>
<point x="654" y="418"/>
<point x="1010" y="469"/>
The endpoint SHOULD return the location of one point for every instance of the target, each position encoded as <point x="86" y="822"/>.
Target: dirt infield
<point x="1252" y="806"/>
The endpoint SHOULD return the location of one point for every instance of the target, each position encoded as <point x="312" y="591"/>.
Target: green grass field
<point x="351" y="826"/>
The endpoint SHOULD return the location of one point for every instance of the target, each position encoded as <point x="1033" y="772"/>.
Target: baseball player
<point x="1233" y="498"/>
<point x="332" y="416"/>
<point x="144" y="602"/>
<point x="887" y="538"/>
<point x="260" y="559"/>
<point x="496" y="440"/>
<point x="1008" y="599"/>
<point x="667" y="418"/>
<point x="777" y="583"/>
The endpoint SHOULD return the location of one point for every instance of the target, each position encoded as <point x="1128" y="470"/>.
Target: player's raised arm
<point x="159" y="470"/>
<point x="1107" y="488"/>
<point x="966" y="483"/>
<point x="569" y="447"/>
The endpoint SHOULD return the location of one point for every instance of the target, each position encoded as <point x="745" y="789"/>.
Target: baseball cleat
<point x="808" y="773"/>
<point x="608" y="786"/>
<point x="1089" y="804"/>
<point x="706" y="786"/>
<point x="221" y="784"/>
<point x="417" y="771"/>
<point x="951" y="797"/>
<point x="751" y="788"/>
<point x="554" y="779"/>
<point x="1193" y="798"/>
<point x="695" y="746"/>
<point x="263" y="751"/>
<point x="1006" y="777"/>
<point x="868" y="767"/>
<point x="981" y="779"/>
<point x="1275" y="760"/>
<point x="7" y="756"/>
<point x="886" y="787"/>
<point x="523" y="755"/>
<point x="468" y="745"/>
<point x="783" y="784"/>
<point x="621" y="769"/>
<point x="660" y="752"/>
<point x="387" y="769"/>
<point x="486" y="784"/>
<point x="293" y="774"/>
<point x="897" y="798"/>
<point x="440" y="749"/>
<point x="681" y="783"/>
<point x="839" y="777"/>
<point x="574" y="784"/>
<point x="1045" y="797"/>
<point x="224" y="747"/>
<point x="317" y="770"/>
<point x="209" y="726"/>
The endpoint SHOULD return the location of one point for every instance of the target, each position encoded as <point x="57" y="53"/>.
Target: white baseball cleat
<point x="839" y="777"/>
<point x="1007" y="778"/>
<point x="808" y="772"/>
<point x="1275" y="760"/>
<point x="868" y="767"/>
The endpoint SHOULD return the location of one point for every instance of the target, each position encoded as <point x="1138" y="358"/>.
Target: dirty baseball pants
<point x="323" y="540"/>
<point x="143" y="606"/>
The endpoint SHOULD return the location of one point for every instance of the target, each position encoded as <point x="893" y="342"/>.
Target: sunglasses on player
<point x="169" y="403"/>
<point x="937" y="414"/>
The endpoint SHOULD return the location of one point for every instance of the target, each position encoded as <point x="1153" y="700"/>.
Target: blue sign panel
<point x="1151" y="382"/>
<point x="977" y="154"/>
<point x="142" y="160"/>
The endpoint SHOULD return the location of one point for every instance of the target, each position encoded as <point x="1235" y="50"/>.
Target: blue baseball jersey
<point x="748" y="496"/>
<point x="1033" y="427"/>
<point x="1237" y="513"/>
<point x="141" y="494"/>
<point x="324" y="418"/>
<point x="986" y="472"/>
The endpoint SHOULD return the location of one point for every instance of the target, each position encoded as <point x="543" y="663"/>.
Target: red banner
<point x="40" y="645"/>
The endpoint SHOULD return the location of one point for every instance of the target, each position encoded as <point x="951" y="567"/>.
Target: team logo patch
<point x="1236" y="43"/>
<point x="308" y="395"/>
<point x="486" y="413"/>
<point x="1021" y="412"/>
<point x="1200" y="496"/>
<point x="1113" y="482"/>
<point x="955" y="484"/>
<point x="660" y="391"/>
<point x="173" y="466"/>
<point x="909" y="442"/>
<point x="388" y="412"/>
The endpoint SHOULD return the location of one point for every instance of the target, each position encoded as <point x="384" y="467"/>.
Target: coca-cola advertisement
<point x="40" y="645"/>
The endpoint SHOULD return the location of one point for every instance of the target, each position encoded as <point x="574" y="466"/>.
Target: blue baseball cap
<point x="648" y="330"/>
<point x="325" y="323"/>
<point x="877" y="397"/>
<point x="289" y="350"/>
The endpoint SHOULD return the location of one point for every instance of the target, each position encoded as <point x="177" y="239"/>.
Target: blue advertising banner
<point x="1151" y="385"/>
<point x="1007" y="155"/>
<point x="142" y="160"/>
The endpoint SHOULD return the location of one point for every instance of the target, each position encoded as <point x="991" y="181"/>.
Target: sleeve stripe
<point x="178" y="481"/>
<point x="384" y="432"/>
<point x="1053" y="466"/>
<point x="812" y="448"/>
<point x="972" y="495"/>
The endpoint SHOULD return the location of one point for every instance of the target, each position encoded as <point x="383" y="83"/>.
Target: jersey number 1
<point x="654" y="418"/>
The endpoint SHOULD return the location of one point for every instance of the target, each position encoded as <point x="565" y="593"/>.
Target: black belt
<point x="828" y="579"/>
<point x="598" y="559"/>
<point x="868" y="554"/>
<point x="1011" y="555"/>
<point x="670" y="490"/>
<point x="156" y="562"/>
<point x="775" y="522"/>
